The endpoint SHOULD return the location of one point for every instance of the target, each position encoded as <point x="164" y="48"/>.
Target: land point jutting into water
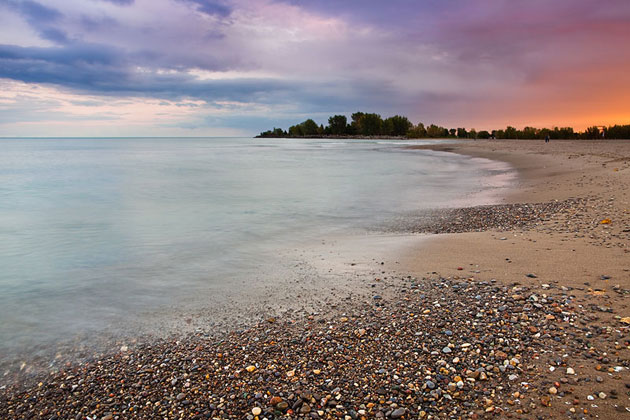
<point x="514" y="310"/>
<point x="372" y="125"/>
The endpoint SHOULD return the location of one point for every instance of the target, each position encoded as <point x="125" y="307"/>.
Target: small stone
<point x="256" y="411"/>
<point x="180" y="396"/>
<point x="283" y="405"/>
<point x="250" y="368"/>
<point x="553" y="390"/>
<point x="570" y="371"/>
<point x="398" y="413"/>
<point x="446" y="350"/>
<point x="602" y="395"/>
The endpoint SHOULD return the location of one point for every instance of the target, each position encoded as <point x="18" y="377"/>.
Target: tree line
<point x="373" y="125"/>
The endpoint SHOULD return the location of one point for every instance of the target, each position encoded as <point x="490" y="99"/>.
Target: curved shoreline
<point x="533" y="320"/>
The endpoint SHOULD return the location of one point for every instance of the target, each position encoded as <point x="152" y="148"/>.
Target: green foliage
<point x="275" y="133"/>
<point x="399" y="125"/>
<point x="592" y="133"/>
<point x="338" y="125"/>
<point x="483" y="134"/>
<point x="617" y="132"/>
<point x="309" y="128"/>
<point x="436" y="132"/>
<point x="417" y="132"/>
<point x="366" y="124"/>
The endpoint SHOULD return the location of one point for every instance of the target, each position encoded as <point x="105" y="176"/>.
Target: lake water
<point x="97" y="233"/>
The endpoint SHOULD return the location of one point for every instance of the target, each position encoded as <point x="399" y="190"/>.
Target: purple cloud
<point x="448" y="61"/>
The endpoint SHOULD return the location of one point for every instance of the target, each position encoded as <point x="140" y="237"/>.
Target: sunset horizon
<point x="234" y="68"/>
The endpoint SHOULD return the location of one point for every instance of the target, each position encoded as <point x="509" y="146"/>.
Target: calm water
<point x="99" y="232"/>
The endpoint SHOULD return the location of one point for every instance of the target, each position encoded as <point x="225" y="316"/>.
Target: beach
<point x="513" y="310"/>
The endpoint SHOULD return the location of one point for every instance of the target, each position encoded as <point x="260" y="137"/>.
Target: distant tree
<point x="387" y="127"/>
<point x="296" y="131"/>
<point x="310" y="128"/>
<point x="357" y="117"/>
<point x="436" y="132"/>
<point x="417" y="132"/>
<point x="617" y="132"/>
<point x="483" y="134"/>
<point x="370" y="124"/>
<point x="510" y="133"/>
<point x="528" y="133"/>
<point x="338" y="125"/>
<point x="592" y="133"/>
<point x="367" y="124"/>
<point x="398" y="125"/>
<point x="544" y="132"/>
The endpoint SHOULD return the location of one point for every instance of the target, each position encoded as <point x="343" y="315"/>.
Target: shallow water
<point x="97" y="233"/>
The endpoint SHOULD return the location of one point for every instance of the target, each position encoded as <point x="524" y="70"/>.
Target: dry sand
<point x="571" y="250"/>
<point x="574" y="250"/>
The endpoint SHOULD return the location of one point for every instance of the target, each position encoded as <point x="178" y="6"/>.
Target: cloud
<point x="120" y="2"/>
<point x="41" y="18"/>
<point x="446" y="61"/>
<point x="211" y="7"/>
<point x="33" y="11"/>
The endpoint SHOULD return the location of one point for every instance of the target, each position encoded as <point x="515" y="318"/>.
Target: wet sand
<point x="502" y="319"/>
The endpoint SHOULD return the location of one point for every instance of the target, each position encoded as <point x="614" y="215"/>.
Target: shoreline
<point x="471" y="269"/>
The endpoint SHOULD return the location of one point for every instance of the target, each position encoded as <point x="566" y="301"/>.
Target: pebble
<point x="324" y="368"/>
<point x="398" y="413"/>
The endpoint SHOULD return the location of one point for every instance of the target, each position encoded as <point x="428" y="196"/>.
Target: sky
<point x="236" y="67"/>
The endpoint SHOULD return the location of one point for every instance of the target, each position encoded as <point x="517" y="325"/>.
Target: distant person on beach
<point x="547" y="139"/>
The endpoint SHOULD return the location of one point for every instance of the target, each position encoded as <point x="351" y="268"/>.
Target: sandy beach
<point x="512" y="311"/>
<point x="572" y="250"/>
